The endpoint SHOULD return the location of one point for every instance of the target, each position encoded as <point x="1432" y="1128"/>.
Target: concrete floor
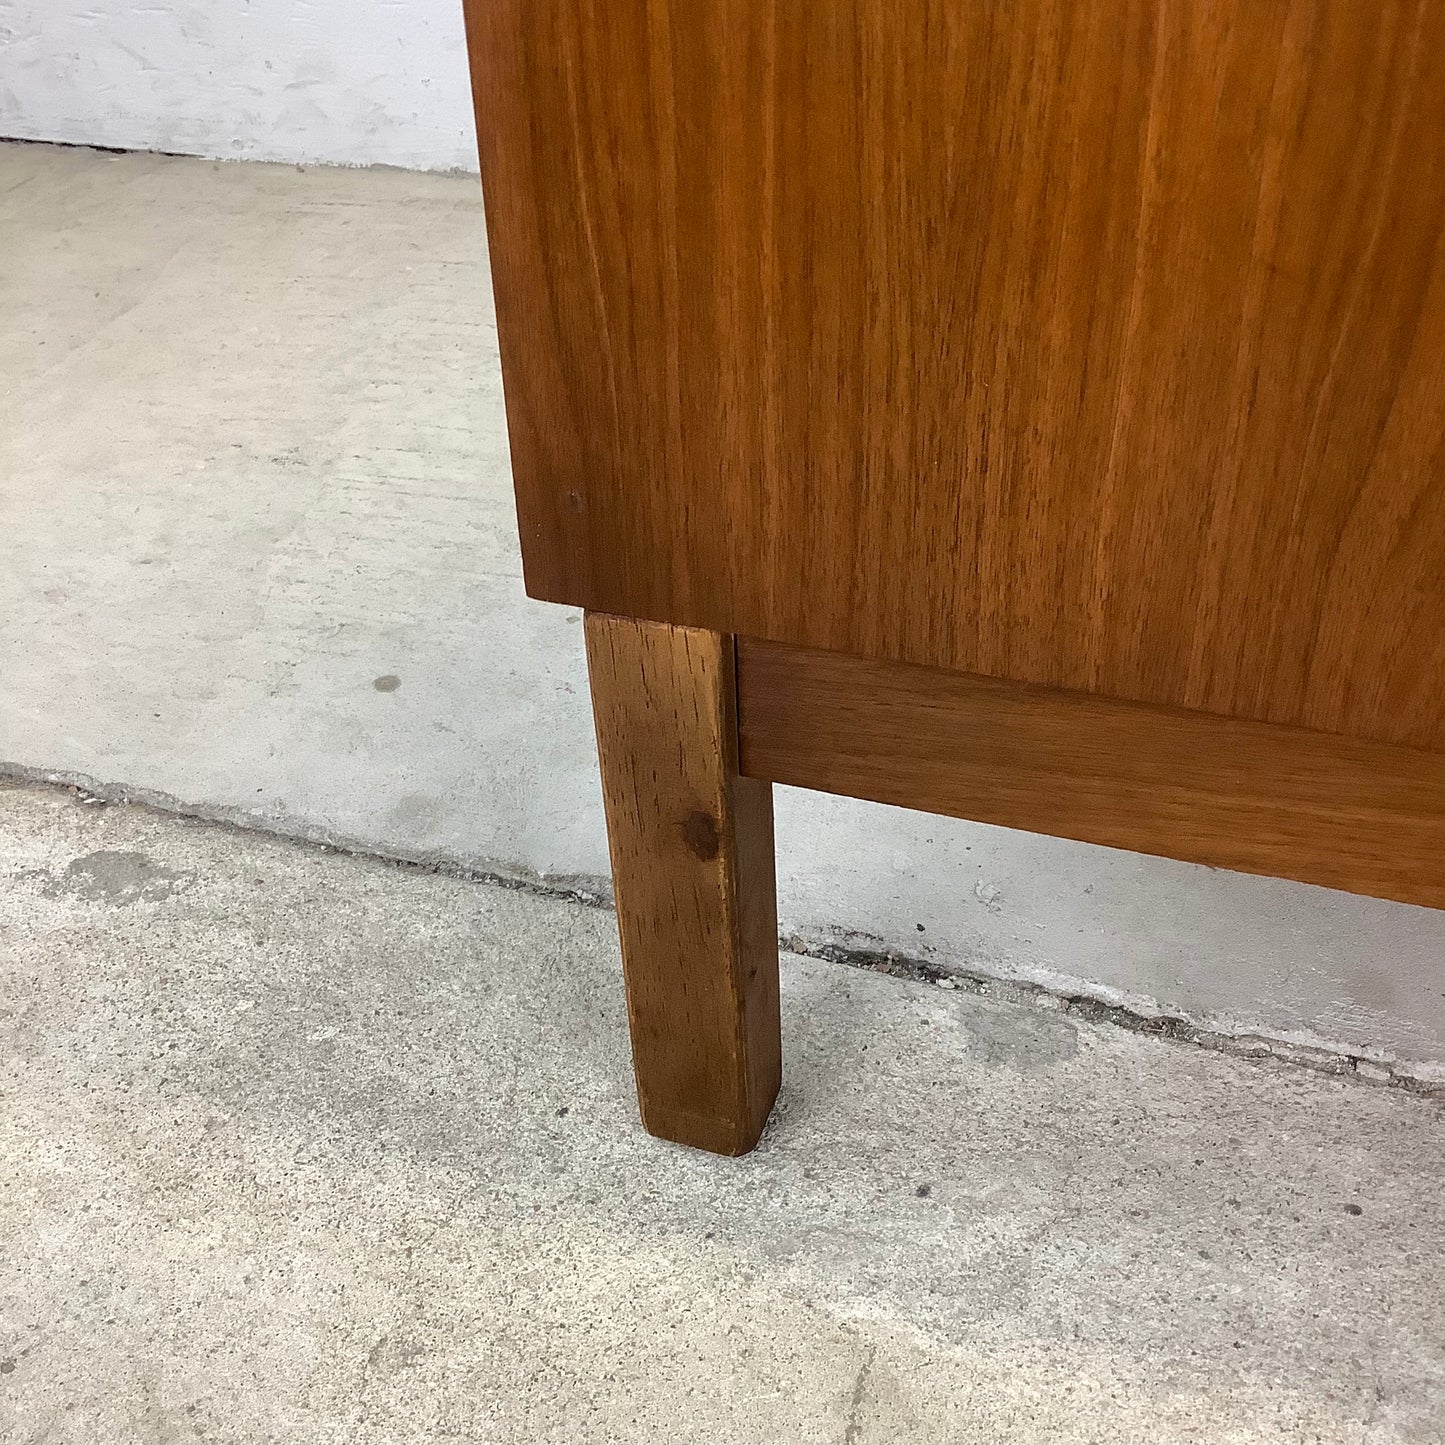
<point x="300" y="1146"/>
<point x="258" y="556"/>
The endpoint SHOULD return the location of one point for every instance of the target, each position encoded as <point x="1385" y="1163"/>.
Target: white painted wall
<point x="345" y="82"/>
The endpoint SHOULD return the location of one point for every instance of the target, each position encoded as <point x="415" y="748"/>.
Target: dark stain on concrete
<point x="1026" y="1043"/>
<point x="699" y="832"/>
<point x="118" y="877"/>
<point x="387" y="682"/>
<point x="390" y="1355"/>
<point x="415" y="811"/>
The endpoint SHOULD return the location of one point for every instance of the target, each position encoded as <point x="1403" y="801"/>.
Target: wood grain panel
<point x="1257" y="797"/>
<point x="692" y="869"/>
<point x="1092" y="343"/>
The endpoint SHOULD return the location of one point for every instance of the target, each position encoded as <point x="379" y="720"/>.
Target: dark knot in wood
<point x="699" y="832"/>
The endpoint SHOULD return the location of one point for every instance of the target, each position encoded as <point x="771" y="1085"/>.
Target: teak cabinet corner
<point x="1068" y="378"/>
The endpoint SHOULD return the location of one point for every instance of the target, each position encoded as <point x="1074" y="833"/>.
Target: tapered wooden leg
<point x="692" y="869"/>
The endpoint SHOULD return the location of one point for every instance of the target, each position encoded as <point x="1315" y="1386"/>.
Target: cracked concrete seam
<point x="853" y="1431"/>
<point x="847" y="950"/>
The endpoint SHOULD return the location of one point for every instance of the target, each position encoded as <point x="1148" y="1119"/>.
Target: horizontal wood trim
<point x="1256" y="797"/>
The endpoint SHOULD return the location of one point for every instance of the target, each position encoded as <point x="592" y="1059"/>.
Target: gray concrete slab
<point x="301" y="1147"/>
<point x="258" y="556"/>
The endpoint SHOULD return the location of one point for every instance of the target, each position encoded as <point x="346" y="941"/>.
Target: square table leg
<point x="692" y="866"/>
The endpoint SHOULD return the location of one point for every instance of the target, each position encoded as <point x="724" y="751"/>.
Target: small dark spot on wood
<point x="699" y="832"/>
<point x="575" y="502"/>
